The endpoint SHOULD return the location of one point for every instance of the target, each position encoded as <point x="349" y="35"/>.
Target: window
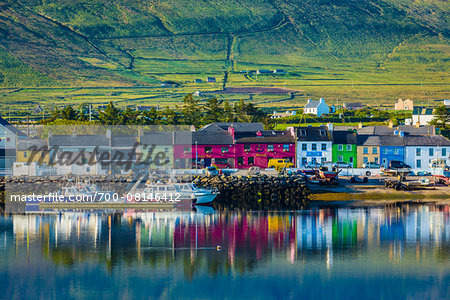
<point x="303" y="132"/>
<point x="186" y="149"/>
<point x="208" y="149"/>
<point x="366" y="150"/>
<point x="313" y="147"/>
<point x="418" y="164"/>
<point x="304" y="161"/>
<point x="8" y="139"/>
<point x="322" y="159"/>
<point x="166" y="150"/>
<point x="246" y="147"/>
<point x="225" y="149"/>
<point x="376" y="160"/>
<point x="444" y="151"/>
<point x="418" y="151"/>
<point x="385" y="151"/>
<point x="269" y="147"/>
<point x="304" y="147"/>
<point x="324" y="147"/>
<point x="349" y="147"/>
<point x="430" y="151"/>
<point x="365" y="159"/>
<point x="251" y="161"/>
<point x="322" y="132"/>
<point x="240" y="160"/>
<point x="340" y="158"/>
<point x="396" y="151"/>
<point x="88" y="169"/>
<point x="350" y="160"/>
<point x="25" y="154"/>
<point x="314" y="160"/>
<point x="286" y="147"/>
<point x="374" y="150"/>
<point x="340" y="147"/>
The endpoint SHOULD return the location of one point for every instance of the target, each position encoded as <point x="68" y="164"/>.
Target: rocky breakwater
<point x="260" y="192"/>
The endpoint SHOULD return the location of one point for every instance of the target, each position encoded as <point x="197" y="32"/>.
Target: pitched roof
<point x="238" y="126"/>
<point x="376" y="130"/>
<point x="353" y="104"/>
<point x="312" y="104"/>
<point x="123" y="140"/>
<point x="11" y="128"/>
<point x="369" y="140"/>
<point x="313" y="134"/>
<point x="420" y="110"/>
<point x="78" y="141"/>
<point x="391" y="140"/>
<point x="266" y="136"/>
<point x="413" y="130"/>
<point x="208" y="138"/>
<point x="26" y="144"/>
<point x="344" y="137"/>
<point x="426" y="140"/>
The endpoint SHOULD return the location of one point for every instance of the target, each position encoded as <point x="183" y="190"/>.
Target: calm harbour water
<point x="341" y="253"/>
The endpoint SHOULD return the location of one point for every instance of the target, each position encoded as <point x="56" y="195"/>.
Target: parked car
<point x="212" y="171"/>
<point x="423" y="173"/>
<point x="279" y="164"/>
<point x="370" y="165"/>
<point x="312" y="165"/>
<point x="221" y="165"/>
<point x="343" y="165"/>
<point x="396" y="164"/>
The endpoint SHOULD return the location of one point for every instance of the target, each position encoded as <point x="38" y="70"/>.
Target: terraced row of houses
<point x="237" y="145"/>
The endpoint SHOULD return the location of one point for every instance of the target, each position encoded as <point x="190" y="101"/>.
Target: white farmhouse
<point x="317" y="108"/>
<point x="421" y="150"/>
<point x="314" y="145"/>
<point x="422" y="115"/>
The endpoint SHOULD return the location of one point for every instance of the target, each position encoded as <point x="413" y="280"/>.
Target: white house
<point x="277" y="115"/>
<point x="8" y="139"/>
<point x="314" y="145"/>
<point x="317" y="108"/>
<point x="421" y="150"/>
<point x="422" y="115"/>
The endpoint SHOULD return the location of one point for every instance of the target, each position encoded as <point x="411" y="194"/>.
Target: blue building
<point x="391" y="148"/>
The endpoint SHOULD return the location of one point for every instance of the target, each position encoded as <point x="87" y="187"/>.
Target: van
<point x="279" y="164"/>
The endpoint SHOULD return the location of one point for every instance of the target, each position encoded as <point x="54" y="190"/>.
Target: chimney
<point x="391" y="124"/>
<point x="395" y="132"/>
<point x="108" y="133"/>
<point x="402" y="133"/>
<point x="258" y="133"/>
<point x="231" y="130"/>
<point x="50" y="134"/>
<point x="330" y="127"/>
<point x="360" y="125"/>
<point x="322" y="100"/>
<point x="74" y="133"/>
<point x="309" y="100"/>
<point x="417" y="124"/>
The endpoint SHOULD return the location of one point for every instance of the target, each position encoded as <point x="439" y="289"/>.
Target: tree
<point x="214" y="111"/>
<point x="110" y="115"/>
<point x="150" y="117"/>
<point x="442" y="116"/>
<point x="191" y="111"/>
<point x="129" y="117"/>
<point x="228" y="114"/>
<point x="67" y="113"/>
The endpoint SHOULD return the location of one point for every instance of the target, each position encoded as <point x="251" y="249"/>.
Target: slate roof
<point x="312" y="104"/>
<point x="266" y="137"/>
<point x="157" y="138"/>
<point x="313" y="134"/>
<point x="425" y="140"/>
<point x="352" y="104"/>
<point x="207" y="138"/>
<point x="413" y="130"/>
<point x="344" y="137"/>
<point x="369" y="140"/>
<point x="78" y="141"/>
<point x="376" y="130"/>
<point x="238" y="126"/>
<point x="11" y="128"/>
<point x="23" y="145"/>
<point x="391" y="140"/>
<point x="420" y="110"/>
<point x="123" y="140"/>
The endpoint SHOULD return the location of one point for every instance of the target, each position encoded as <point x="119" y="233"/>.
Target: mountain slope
<point x="137" y="42"/>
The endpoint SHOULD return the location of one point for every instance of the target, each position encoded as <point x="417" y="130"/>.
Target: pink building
<point x="240" y="145"/>
<point x="256" y="148"/>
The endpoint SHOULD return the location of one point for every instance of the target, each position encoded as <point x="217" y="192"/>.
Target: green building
<point x="344" y="147"/>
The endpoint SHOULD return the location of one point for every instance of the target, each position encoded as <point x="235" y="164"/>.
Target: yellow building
<point x="32" y="150"/>
<point x="404" y="104"/>
<point x="368" y="150"/>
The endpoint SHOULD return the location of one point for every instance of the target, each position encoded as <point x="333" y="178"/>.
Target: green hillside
<point x="343" y="50"/>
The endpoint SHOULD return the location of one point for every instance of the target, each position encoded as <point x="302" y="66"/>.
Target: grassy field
<point x="72" y="52"/>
